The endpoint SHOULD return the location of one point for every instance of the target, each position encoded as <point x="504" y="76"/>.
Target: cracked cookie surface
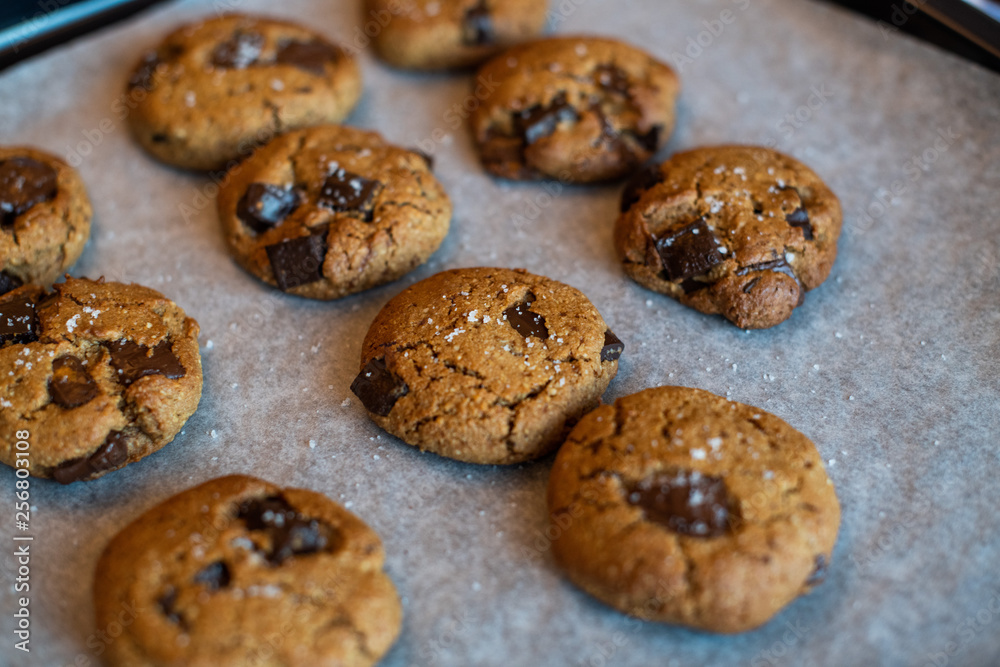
<point x="101" y="374"/>
<point x="576" y="109"/>
<point x="213" y="91"/>
<point x="330" y="211"/>
<point x="237" y="571"/>
<point x="442" y="34"/>
<point x="676" y="505"/>
<point x="739" y="231"/>
<point x="485" y="365"/>
<point x="44" y="217"/>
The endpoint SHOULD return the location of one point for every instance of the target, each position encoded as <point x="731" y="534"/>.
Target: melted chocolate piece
<point x="689" y="251"/>
<point x="642" y="181"/>
<point x="166" y="604"/>
<point x="298" y="261"/>
<point x="477" y="26"/>
<point x="9" y="282"/>
<point x="690" y="285"/>
<point x="142" y="75"/>
<point x="18" y="321"/>
<point x="344" y="191"/>
<point x="539" y="122"/>
<point x="651" y="139"/>
<point x="800" y="218"/>
<point x="612" y="78"/>
<point x="112" y="454"/>
<point x="311" y="56"/>
<point x="685" y="501"/>
<point x="818" y="575"/>
<point x="264" y="206"/>
<point x="24" y="182"/>
<point x="71" y="386"/>
<point x="779" y="265"/>
<point x="291" y="533"/>
<point x="378" y="387"/>
<point x="239" y="52"/>
<point x="134" y="361"/>
<point x="613" y="347"/>
<point x="214" y="576"/>
<point x="526" y="322"/>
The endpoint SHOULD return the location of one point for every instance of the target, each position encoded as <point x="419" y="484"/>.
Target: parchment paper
<point x="890" y="367"/>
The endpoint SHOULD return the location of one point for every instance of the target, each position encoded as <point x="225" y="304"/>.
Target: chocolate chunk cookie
<point x="44" y="217"/>
<point x="739" y="231"/>
<point x="679" y="506"/>
<point x="237" y="571"/>
<point x="332" y="210"/>
<point x="577" y="109"/>
<point x="214" y="91"/>
<point x="442" y="34"/>
<point x="485" y="365"/>
<point x="101" y="374"/>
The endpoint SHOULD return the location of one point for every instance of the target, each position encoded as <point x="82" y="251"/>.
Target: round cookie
<point x="740" y="231"/>
<point x="100" y="374"/>
<point x="576" y="109"/>
<point x="330" y="211"/>
<point x="443" y="34"/>
<point x="679" y="506"/>
<point x="237" y="571"/>
<point x="213" y="91"/>
<point x="44" y="217"/>
<point x="485" y="365"/>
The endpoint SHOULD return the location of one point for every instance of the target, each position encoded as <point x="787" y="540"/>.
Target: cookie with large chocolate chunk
<point x="485" y="365"/>
<point x="213" y="91"/>
<point x="679" y="506"/>
<point x="101" y="374"/>
<point x="740" y="231"/>
<point x="221" y="570"/>
<point x="576" y="109"/>
<point x="444" y="34"/>
<point x="332" y="210"/>
<point x="44" y="217"/>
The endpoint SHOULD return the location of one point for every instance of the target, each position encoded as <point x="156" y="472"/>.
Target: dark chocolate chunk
<point x="291" y="533"/>
<point x="298" y="261"/>
<point x="18" y="321"/>
<point x="613" y="347"/>
<point x="685" y="501"/>
<point x="750" y="285"/>
<point x="9" y="282"/>
<point x="642" y="181"/>
<point x="71" y="386"/>
<point x="818" y="575"/>
<point x="378" y="387"/>
<point x="24" y="182"/>
<point x="343" y="191"/>
<point x="477" y="25"/>
<point x="112" y="454"/>
<point x="800" y="218"/>
<point x="308" y="56"/>
<point x="238" y="52"/>
<point x="690" y="285"/>
<point x="526" y="322"/>
<point x="650" y="140"/>
<point x="214" y="576"/>
<point x="142" y="75"/>
<point x="264" y="205"/>
<point x="134" y="361"/>
<point x="778" y="265"/>
<point x="612" y="78"/>
<point x="166" y="604"/>
<point x="689" y="251"/>
<point x="540" y="121"/>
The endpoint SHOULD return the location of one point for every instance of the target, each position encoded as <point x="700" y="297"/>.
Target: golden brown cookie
<point x="237" y="571"/>
<point x="679" y="506"/>
<point x="740" y="231"/>
<point x="330" y="211"/>
<point x="214" y="91"/>
<point x="485" y="365"/>
<point x="576" y="109"/>
<point x="100" y="374"/>
<point x="442" y="34"/>
<point x="44" y="217"/>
